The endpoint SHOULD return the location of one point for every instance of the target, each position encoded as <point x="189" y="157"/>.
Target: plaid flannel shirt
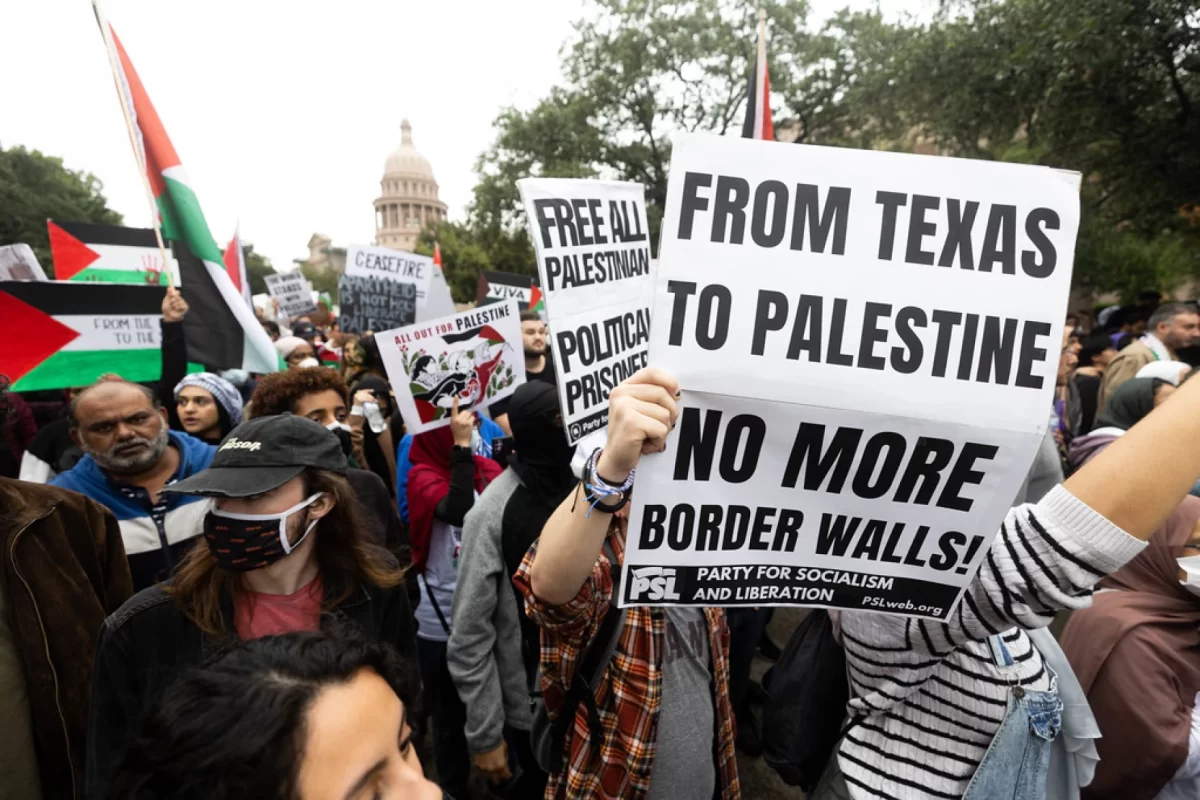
<point x="628" y="698"/>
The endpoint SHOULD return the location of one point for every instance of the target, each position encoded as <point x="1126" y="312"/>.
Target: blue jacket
<point x="488" y="430"/>
<point x="153" y="543"/>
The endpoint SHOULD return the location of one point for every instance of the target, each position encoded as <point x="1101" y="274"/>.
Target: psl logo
<point x="657" y="583"/>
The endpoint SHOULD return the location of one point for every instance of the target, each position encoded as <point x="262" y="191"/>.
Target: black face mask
<point x="342" y="431"/>
<point x="244" y="542"/>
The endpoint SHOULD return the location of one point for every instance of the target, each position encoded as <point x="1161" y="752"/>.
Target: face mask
<point x="1191" y="566"/>
<point x="309" y="362"/>
<point x="476" y="441"/>
<point x="342" y="431"/>
<point x="242" y="542"/>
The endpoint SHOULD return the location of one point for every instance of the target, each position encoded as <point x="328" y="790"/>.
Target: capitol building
<point x="408" y="201"/>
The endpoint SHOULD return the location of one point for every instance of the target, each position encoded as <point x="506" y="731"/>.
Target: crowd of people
<point x="229" y="586"/>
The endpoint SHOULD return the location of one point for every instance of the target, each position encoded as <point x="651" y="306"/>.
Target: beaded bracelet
<point x="597" y="488"/>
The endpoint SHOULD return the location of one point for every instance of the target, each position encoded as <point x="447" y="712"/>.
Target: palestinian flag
<point x="62" y="334"/>
<point x="235" y="265"/>
<point x="536" y="301"/>
<point x="181" y="219"/>
<point x="437" y="255"/>
<point x="758" y="123"/>
<point x="107" y="254"/>
<point x="496" y="287"/>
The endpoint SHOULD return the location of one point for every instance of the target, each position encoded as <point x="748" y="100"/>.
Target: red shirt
<point x="256" y="614"/>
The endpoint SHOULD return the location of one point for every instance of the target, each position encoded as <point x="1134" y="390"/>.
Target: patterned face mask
<point x="244" y="542"/>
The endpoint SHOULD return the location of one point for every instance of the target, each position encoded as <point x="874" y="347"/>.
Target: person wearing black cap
<point x="285" y="552"/>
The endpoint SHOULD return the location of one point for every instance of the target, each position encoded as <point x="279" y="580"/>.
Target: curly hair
<point x="278" y="392"/>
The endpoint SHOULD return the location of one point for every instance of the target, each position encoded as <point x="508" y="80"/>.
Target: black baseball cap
<point x="305" y="330"/>
<point x="263" y="454"/>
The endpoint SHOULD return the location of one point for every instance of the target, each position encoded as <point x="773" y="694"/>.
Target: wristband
<point x="597" y="488"/>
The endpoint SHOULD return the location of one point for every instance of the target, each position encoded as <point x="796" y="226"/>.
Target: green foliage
<point x="466" y="250"/>
<point x="258" y="267"/>
<point x="637" y="72"/>
<point x="35" y="187"/>
<point x="322" y="280"/>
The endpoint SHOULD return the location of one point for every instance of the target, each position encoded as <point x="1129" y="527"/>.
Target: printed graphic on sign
<point x="497" y="287"/>
<point x="83" y="251"/>
<point x="475" y="357"/>
<point x="293" y="292"/>
<point x="383" y="263"/>
<point x="867" y="345"/>
<point x="597" y="280"/>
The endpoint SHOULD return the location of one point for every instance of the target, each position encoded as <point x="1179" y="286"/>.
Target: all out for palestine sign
<point x="293" y="292"/>
<point x="867" y="345"/>
<point x="593" y="249"/>
<point x="476" y="356"/>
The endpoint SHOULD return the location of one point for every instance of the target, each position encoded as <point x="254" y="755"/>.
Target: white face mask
<point x="1191" y="566"/>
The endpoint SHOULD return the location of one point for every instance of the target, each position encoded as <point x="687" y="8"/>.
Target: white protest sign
<point x="593" y="249"/>
<point x="858" y="335"/>
<point x="437" y="302"/>
<point x="293" y="292"/>
<point x="18" y="263"/>
<point x="476" y="356"/>
<point x="393" y="265"/>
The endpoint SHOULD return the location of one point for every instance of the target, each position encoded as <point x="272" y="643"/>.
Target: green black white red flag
<point x="68" y="333"/>
<point x="181" y="218"/>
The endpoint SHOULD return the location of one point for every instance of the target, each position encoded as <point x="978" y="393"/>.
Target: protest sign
<point x="375" y="304"/>
<point x="18" y="263"/>
<point x="71" y="333"/>
<point x="383" y="263"/>
<point x="476" y="356"/>
<point x="438" y="302"/>
<point x="496" y="287"/>
<point x="292" y="291"/>
<point x="593" y="248"/>
<point x="867" y="345"/>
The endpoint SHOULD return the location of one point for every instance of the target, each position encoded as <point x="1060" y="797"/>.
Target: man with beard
<point x="538" y="364"/>
<point x="1172" y="326"/>
<point x="130" y="456"/>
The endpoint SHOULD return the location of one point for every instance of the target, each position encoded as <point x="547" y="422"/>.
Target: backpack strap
<point x="436" y="608"/>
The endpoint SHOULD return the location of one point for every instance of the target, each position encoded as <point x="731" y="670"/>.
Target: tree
<point x="322" y="280"/>
<point x="637" y="72"/>
<point x="462" y="257"/>
<point x="1104" y="87"/>
<point x="258" y="267"/>
<point x="36" y="187"/>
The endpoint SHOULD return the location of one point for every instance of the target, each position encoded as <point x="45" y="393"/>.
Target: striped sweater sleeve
<point x="1045" y="557"/>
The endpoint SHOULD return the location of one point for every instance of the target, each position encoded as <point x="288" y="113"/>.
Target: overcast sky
<point x="284" y="112"/>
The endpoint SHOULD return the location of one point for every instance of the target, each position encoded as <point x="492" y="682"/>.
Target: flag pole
<point x="138" y="154"/>
<point x="759" y="64"/>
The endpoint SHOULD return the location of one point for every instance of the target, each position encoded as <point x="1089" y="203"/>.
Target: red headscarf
<point x="429" y="482"/>
<point x="1136" y="653"/>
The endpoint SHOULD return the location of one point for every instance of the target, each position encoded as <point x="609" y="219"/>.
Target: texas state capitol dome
<point x="408" y="199"/>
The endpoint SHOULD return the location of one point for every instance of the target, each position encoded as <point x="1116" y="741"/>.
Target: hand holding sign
<point x="462" y="424"/>
<point x="641" y="412"/>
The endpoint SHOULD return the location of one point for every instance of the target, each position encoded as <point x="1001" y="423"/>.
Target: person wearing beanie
<point x="208" y="406"/>
<point x="294" y="350"/>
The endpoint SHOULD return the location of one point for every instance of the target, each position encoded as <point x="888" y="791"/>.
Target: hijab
<point x="429" y="482"/>
<point x="1128" y="403"/>
<point x="1136" y="652"/>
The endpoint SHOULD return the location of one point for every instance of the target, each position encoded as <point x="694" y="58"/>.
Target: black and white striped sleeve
<point x="1046" y="557"/>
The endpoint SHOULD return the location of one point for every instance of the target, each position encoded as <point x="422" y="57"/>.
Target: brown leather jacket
<point x="64" y="572"/>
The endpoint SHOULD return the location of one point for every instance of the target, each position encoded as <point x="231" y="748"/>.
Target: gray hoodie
<point x="484" y="654"/>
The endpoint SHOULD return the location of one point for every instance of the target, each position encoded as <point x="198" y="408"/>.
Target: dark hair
<point x="73" y="406"/>
<point x="529" y="315"/>
<point x="1167" y="312"/>
<point x="271" y="327"/>
<point x="278" y="392"/>
<point x="236" y="727"/>
<point x="346" y="558"/>
<point x="1093" y="346"/>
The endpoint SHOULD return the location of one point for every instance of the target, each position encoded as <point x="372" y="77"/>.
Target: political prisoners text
<point x="904" y="339"/>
